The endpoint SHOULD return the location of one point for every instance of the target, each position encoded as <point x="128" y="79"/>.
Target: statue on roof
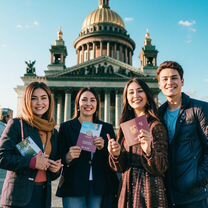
<point x="60" y="34"/>
<point x="30" y="67"/>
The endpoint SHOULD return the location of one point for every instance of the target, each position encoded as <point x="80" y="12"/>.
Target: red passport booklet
<point x="88" y="132"/>
<point x="132" y="127"/>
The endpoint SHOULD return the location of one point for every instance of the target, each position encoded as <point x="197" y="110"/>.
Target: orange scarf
<point x="45" y="130"/>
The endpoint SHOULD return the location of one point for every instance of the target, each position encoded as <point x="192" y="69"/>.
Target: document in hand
<point x="132" y="127"/>
<point x="88" y="132"/>
<point x="28" y="148"/>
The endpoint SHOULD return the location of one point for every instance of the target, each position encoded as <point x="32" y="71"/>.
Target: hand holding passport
<point x="131" y="129"/>
<point x="88" y="133"/>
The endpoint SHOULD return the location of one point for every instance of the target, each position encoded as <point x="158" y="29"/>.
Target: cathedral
<point x="104" y="62"/>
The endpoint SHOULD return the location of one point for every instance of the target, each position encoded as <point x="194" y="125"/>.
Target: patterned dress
<point x="142" y="176"/>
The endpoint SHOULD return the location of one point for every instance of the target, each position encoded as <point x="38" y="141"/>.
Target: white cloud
<point x="189" y="25"/>
<point x="186" y="23"/>
<point x="19" y="26"/>
<point x="34" y="24"/>
<point x="128" y="19"/>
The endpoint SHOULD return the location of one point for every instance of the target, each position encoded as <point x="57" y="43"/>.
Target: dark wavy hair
<point x="128" y="112"/>
<point x="171" y="65"/>
<point x="77" y="99"/>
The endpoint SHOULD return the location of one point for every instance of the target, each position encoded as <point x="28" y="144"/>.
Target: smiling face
<point x="39" y="102"/>
<point x="87" y="104"/>
<point x="170" y="83"/>
<point x="136" y="98"/>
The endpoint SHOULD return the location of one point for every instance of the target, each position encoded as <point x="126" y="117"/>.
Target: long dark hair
<point x="76" y="108"/>
<point x="128" y="112"/>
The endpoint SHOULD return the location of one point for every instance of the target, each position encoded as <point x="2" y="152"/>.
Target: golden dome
<point x="103" y="15"/>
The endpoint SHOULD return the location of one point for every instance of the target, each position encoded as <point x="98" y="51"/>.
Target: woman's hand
<point x="99" y="143"/>
<point x="42" y="161"/>
<point x="55" y="166"/>
<point x="145" y="140"/>
<point x="114" y="148"/>
<point x="73" y="153"/>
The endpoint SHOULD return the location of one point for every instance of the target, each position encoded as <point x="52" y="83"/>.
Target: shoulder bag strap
<point x="22" y="131"/>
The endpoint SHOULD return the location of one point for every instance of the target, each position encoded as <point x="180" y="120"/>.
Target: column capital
<point x="119" y="91"/>
<point x="107" y="90"/>
<point x="68" y="90"/>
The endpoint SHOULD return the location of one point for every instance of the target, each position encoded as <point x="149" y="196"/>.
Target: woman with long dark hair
<point x="143" y="165"/>
<point x="87" y="179"/>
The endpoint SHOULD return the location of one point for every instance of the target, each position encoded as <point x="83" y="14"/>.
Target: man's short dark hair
<point x="170" y="65"/>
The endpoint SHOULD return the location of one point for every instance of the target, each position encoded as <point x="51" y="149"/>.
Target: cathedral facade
<point x="104" y="62"/>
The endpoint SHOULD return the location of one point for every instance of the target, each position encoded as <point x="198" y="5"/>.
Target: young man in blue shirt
<point x="186" y="120"/>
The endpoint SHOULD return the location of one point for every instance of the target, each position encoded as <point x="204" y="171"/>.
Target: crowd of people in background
<point x="166" y="167"/>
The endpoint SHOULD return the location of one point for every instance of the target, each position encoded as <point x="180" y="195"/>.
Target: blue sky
<point x="28" y="28"/>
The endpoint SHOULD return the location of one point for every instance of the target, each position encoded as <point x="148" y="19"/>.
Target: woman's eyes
<point x="41" y="98"/>
<point x="138" y="91"/>
<point x="85" y="100"/>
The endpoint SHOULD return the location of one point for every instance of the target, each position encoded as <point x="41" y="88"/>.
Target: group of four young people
<point x="90" y="180"/>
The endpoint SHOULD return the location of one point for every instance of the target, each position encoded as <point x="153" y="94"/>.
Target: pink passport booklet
<point x="88" y="132"/>
<point x="132" y="127"/>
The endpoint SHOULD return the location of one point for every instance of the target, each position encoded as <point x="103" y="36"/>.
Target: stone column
<point x="126" y="55"/>
<point x="78" y="56"/>
<point x="52" y="58"/>
<point x="100" y="105"/>
<point x="101" y="48"/>
<point x="115" y="51"/>
<point x="120" y="53"/>
<point x="67" y="106"/>
<point x="59" y="110"/>
<point x="82" y="54"/>
<point x="53" y="97"/>
<point x="94" y="50"/>
<point x="62" y="58"/>
<point x="130" y="57"/>
<point x="88" y="52"/>
<point x="118" y="106"/>
<point x="20" y="96"/>
<point x="107" y="106"/>
<point x="108" y="48"/>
